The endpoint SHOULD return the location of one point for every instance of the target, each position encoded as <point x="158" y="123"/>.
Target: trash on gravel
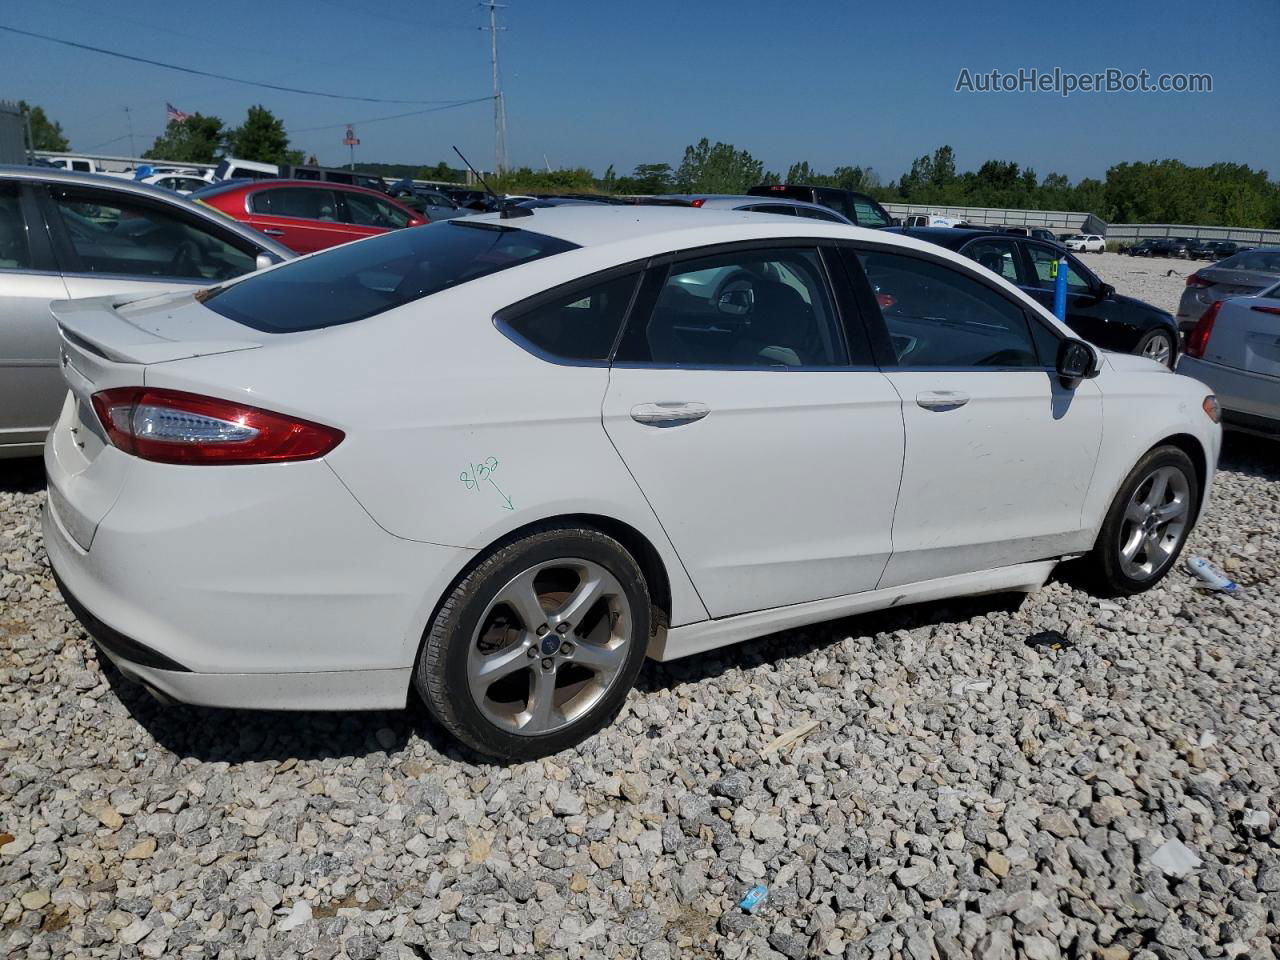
<point x="968" y="685"/>
<point x="1256" y="819"/>
<point x="299" y="915"/>
<point x="791" y="736"/>
<point x="1048" y="640"/>
<point x="1208" y="739"/>
<point x="1175" y="859"/>
<point x="1211" y="577"/>
<point x="754" y="897"/>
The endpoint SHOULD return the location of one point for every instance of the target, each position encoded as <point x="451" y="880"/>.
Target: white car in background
<point x="183" y="183"/>
<point x="1235" y="348"/>
<point x="501" y="459"/>
<point x="1086" y="243"/>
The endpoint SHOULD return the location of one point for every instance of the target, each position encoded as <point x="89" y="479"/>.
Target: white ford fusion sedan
<point x="499" y="461"/>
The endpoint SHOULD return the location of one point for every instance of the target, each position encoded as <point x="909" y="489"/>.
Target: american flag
<point x="174" y="114"/>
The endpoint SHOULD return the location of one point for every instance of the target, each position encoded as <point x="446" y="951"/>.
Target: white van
<point x="929" y="220"/>
<point x="229" y="168"/>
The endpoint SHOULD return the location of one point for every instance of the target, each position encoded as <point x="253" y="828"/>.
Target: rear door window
<point x="303" y="203"/>
<point x="15" y="254"/>
<point x="358" y="280"/>
<point x="578" y="325"/>
<point x="115" y="234"/>
<point x="366" y="211"/>
<point x="998" y="255"/>
<point x="865" y="215"/>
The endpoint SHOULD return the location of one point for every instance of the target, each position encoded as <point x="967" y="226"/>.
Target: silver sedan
<point x="66" y="235"/>
<point x="1240" y="275"/>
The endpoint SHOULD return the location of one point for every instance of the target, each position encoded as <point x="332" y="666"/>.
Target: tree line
<point x="1155" y="191"/>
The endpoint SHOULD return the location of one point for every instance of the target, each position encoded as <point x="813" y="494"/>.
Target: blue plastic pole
<point x="1060" y="291"/>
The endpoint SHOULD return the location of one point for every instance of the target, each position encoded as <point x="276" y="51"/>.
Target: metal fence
<point x="1131" y="232"/>
<point x="1056" y="220"/>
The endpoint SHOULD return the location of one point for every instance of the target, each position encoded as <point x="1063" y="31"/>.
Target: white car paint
<point x="800" y="496"/>
<point x="1086" y="243"/>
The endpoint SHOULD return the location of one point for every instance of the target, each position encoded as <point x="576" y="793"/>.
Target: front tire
<point x="1148" y="523"/>
<point x="536" y="648"/>
<point x="1158" y="345"/>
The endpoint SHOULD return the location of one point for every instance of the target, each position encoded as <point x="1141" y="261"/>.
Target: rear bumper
<point x="248" y="587"/>
<point x="1248" y="400"/>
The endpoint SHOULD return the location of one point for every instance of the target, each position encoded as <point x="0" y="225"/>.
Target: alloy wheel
<point x="1155" y="521"/>
<point x="1158" y="348"/>
<point x="549" y="646"/>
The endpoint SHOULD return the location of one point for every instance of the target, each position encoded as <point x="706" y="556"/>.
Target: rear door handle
<point x="668" y="414"/>
<point x="272" y="232"/>
<point x="942" y="400"/>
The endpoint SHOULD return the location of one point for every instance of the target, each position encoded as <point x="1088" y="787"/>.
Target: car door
<point x="999" y="454"/>
<point x="304" y="218"/>
<point x="31" y="385"/>
<point x="751" y="416"/>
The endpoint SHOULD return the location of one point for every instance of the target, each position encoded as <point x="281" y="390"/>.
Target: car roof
<point x="951" y="237"/>
<point x="250" y="186"/>
<point x="138" y="188"/>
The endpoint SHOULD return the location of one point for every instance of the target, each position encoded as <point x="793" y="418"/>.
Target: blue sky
<point x="602" y="83"/>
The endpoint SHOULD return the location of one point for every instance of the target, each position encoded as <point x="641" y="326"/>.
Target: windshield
<point x="358" y="280"/>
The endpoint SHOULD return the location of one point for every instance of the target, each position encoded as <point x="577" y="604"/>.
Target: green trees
<point x="718" y="168"/>
<point x="45" y="134"/>
<point x="262" y="138"/>
<point x="197" y="139"/>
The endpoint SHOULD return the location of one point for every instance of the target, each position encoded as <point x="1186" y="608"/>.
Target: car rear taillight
<point x="1273" y="310"/>
<point x="1198" y="338"/>
<point x="1195" y="280"/>
<point x="172" y="426"/>
<point x="699" y="202"/>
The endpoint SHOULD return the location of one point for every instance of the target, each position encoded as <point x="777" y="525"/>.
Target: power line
<point x="205" y="73"/>
<point x="394" y="116"/>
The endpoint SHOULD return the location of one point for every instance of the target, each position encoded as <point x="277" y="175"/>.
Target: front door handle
<point x="942" y="400"/>
<point x="272" y="232"/>
<point x="668" y="414"/>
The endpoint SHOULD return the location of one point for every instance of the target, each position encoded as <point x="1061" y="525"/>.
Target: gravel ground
<point x="1157" y="280"/>
<point x="1040" y="777"/>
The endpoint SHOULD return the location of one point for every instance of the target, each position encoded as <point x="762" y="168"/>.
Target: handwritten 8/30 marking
<point x="481" y="473"/>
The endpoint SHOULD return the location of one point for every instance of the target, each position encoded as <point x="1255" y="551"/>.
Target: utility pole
<point x="499" y="108"/>
<point x="133" y="150"/>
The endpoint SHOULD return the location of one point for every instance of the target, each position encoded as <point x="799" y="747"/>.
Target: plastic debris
<point x="300" y="914"/>
<point x="1175" y="859"/>
<point x="754" y="897"/>
<point x="1257" y="819"/>
<point x="1048" y="640"/>
<point x="1210" y="576"/>
<point x="791" y="736"/>
<point x="1208" y="739"/>
<point x="967" y="685"/>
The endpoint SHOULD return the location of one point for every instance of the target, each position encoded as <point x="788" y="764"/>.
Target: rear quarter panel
<point x="455" y="435"/>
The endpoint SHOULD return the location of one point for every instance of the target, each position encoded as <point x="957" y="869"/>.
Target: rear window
<point x="1263" y="261"/>
<point x="357" y="280"/>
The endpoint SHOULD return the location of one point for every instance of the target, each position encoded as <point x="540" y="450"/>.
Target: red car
<point x="308" y="215"/>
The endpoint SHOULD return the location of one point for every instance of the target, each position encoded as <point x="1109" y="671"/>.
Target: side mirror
<point x="1105" y="290"/>
<point x="736" y="303"/>
<point x="1076" y="361"/>
<point x="264" y="260"/>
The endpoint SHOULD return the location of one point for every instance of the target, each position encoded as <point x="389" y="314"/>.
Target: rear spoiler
<point x="94" y="325"/>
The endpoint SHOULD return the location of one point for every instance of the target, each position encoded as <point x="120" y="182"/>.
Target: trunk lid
<point x="1246" y="336"/>
<point x="1234" y="283"/>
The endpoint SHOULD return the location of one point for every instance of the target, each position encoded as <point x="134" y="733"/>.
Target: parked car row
<point x="1243" y="274"/>
<point x="1188" y="248"/>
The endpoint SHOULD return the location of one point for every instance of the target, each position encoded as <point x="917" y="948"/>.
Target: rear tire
<point x="1158" y="345"/>
<point x="536" y="648"/>
<point x="1148" y="523"/>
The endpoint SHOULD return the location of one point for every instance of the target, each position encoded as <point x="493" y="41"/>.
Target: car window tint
<point x="998" y="256"/>
<point x="816" y="213"/>
<point x="938" y="316"/>
<point x="578" y="326"/>
<point x="752" y="308"/>
<point x="117" y="235"/>
<point x="358" y="280"/>
<point x="1263" y="261"/>
<point x="366" y="211"/>
<point x="781" y="209"/>
<point x="868" y="216"/>
<point x="1044" y="261"/>
<point x="305" y="203"/>
<point x="15" y="254"/>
